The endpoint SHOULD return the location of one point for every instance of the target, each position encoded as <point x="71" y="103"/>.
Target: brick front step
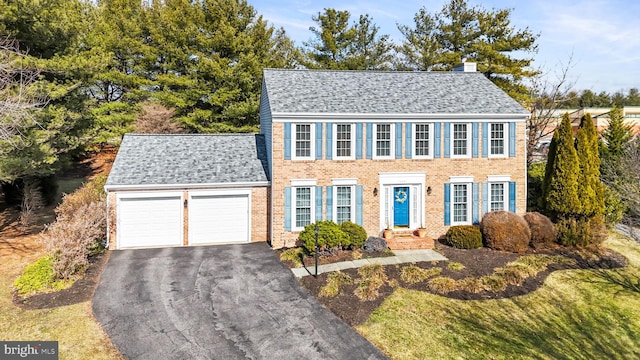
<point x="409" y="241"/>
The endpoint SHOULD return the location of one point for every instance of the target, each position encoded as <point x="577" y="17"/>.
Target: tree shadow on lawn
<point x="552" y="326"/>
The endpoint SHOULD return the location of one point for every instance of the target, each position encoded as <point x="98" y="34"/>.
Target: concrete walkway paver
<point x="400" y="257"/>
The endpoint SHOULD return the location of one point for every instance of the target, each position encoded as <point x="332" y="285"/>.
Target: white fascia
<point x="109" y="188"/>
<point x="399" y="117"/>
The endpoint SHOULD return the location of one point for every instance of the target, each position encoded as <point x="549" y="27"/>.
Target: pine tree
<point x="615" y="137"/>
<point x="590" y="188"/>
<point x="561" y="181"/>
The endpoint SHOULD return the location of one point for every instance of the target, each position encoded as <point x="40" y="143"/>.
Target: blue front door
<point x="401" y="206"/>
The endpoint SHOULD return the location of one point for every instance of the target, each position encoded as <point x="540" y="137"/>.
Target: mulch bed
<point x="82" y="290"/>
<point x="477" y="262"/>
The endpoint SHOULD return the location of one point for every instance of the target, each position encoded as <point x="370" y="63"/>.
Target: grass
<point x="295" y="255"/>
<point x="415" y="274"/>
<point x="74" y="327"/>
<point x="372" y="278"/>
<point x="455" y="266"/>
<point x="576" y="314"/>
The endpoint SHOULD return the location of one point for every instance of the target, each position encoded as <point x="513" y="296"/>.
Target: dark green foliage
<point x="341" y="46"/>
<point x="507" y="231"/>
<point x="543" y="232"/>
<point x="590" y="188"/>
<point x="535" y="179"/>
<point x="573" y="232"/>
<point x="614" y="207"/>
<point x="612" y="147"/>
<point x="440" y="41"/>
<point x="330" y="237"/>
<point x="560" y="188"/>
<point x="464" y="237"/>
<point x="357" y="234"/>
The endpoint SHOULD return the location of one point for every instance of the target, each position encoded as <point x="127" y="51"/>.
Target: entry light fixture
<point x="375" y="191"/>
<point x="428" y="190"/>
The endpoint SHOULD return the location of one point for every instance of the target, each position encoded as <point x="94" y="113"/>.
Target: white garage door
<point x="218" y="218"/>
<point x="150" y="221"/>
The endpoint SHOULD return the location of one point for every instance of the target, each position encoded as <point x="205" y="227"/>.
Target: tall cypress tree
<point x="560" y="188"/>
<point x="590" y="189"/>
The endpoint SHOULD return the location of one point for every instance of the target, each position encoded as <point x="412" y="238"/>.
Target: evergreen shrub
<point x="357" y="234"/>
<point x="464" y="237"/>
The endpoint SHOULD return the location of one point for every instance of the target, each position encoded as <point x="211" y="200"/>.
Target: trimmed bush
<point x="357" y="234"/>
<point x="543" y="232"/>
<point x="503" y="230"/>
<point x="464" y="237"/>
<point x="330" y="237"/>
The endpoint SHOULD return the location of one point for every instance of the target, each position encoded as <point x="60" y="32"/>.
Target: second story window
<point x="344" y="142"/>
<point x="422" y="141"/>
<point x="461" y="140"/>
<point x="384" y="141"/>
<point x="303" y="141"/>
<point x="498" y="140"/>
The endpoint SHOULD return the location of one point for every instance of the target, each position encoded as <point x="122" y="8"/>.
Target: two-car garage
<point x="187" y="189"/>
<point x="157" y="219"/>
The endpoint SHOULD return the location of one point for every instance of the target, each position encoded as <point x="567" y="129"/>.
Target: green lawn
<point x="577" y="314"/>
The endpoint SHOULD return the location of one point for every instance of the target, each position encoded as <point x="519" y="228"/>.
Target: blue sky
<point x="602" y="35"/>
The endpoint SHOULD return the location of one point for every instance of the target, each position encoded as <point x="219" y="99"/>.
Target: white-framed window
<point x="303" y="141"/>
<point x="344" y="196"/>
<point x="460" y="198"/>
<point x="498" y="196"/>
<point x="423" y="141"/>
<point x="384" y="135"/>
<point x="460" y="140"/>
<point x="344" y="143"/>
<point x="303" y="193"/>
<point x="498" y="143"/>
<point x="460" y="203"/>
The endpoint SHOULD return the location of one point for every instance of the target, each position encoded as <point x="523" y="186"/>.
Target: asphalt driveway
<point x="217" y="302"/>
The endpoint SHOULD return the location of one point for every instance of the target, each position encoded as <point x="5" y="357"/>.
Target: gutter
<point x="233" y="185"/>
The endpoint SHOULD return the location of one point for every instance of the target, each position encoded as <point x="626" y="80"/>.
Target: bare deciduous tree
<point x="17" y="102"/>
<point x="547" y="95"/>
<point x="154" y="118"/>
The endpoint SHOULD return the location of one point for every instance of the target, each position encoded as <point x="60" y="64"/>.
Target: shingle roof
<point x="385" y="92"/>
<point x="189" y="159"/>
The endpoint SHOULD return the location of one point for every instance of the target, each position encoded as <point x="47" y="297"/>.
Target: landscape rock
<point x="374" y="244"/>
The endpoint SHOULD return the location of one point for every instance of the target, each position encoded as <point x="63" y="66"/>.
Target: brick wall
<point x="367" y="172"/>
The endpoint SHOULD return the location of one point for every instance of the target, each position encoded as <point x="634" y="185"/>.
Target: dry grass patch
<point x="455" y="266"/>
<point x="443" y="285"/>
<point x="334" y="281"/>
<point x="372" y="278"/>
<point x="294" y="255"/>
<point x="415" y="274"/>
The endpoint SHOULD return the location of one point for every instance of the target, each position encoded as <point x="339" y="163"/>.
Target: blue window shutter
<point x="318" y="203"/>
<point x="318" y="141"/>
<point x="485" y="198"/>
<point x="287" y="208"/>
<point x="408" y="141"/>
<point x="398" y="140"/>
<point x="436" y="140"/>
<point x="485" y="141"/>
<point x="369" y="140"/>
<point x="287" y="141"/>
<point x="329" y="148"/>
<point x="474" y="210"/>
<point x="447" y="134"/>
<point x="512" y="139"/>
<point x="512" y="196"/>
<point x="359" y="205"/>
<point x="329" y="191"/>
<point x="474" y="139"/>
<point x="447" y="204"/>
<point x="359" y="141"/>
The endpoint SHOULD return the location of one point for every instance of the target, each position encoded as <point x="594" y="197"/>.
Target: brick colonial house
<point x="381" y="149"/>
